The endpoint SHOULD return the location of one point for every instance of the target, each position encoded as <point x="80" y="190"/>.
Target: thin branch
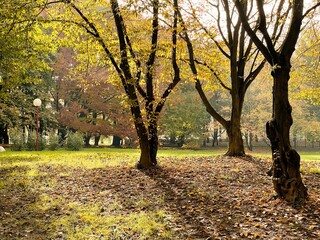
<point x="212" y="36"/>
<point x="310" y="9"/>
<point x="193" y="67"/>
<point x="152" y="55"/>
<point x="264" y="50"/>
<point x="175" y="66"/>
<point x="263" y="29"/>
<point x="253" y="74"/>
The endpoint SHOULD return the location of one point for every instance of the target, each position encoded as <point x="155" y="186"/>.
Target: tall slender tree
<point x="286" y="19"/>
<point x="244" y="67"/>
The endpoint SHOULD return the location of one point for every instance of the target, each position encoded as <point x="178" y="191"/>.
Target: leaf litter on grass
<point x="189" y="198"/>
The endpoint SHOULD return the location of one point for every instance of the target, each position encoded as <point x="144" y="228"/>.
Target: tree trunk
<point x="285" y="170"/>
<point x="215" y="137"/>
<point x="236" y="147"/>
<point x="97" y="139"/>
<point x="87" y="140"/>
<point x="116" y="141"/>
<point x="153" y="142"/>
<point x="145" y="161"/>
<point x="4" y="137"/>
<point x="249" y="137"/>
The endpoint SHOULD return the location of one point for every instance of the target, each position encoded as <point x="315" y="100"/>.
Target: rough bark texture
<point x="145" y="160"/>
<point x="153" y="142"/>
<point x="236" y="147"/>
<point x="285" y="169"/>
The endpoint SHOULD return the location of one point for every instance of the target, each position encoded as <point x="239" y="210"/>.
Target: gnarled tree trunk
<point x="285" y="170"/>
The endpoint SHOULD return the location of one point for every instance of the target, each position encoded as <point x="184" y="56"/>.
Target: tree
<point x="85" y="101"/>
<point x="304" y="88"/>
<point x="25" y="45"/>
<point x="244" y="66"/>
<point x="257" y="108"/>
<point x="120" y="48"/>
<point x="306" y="65"/>
<point x="184" y="117"/>
<point x="25" y="49"/>
<point x="278" y="52"/>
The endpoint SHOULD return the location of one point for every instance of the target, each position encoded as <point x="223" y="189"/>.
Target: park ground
<point x="99" y="194"/>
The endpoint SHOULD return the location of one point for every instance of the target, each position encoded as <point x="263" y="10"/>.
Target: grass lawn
<point x="98" y="194"/>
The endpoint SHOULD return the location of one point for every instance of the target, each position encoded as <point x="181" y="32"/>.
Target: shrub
<point x="53" y="141"/>
<point x="31" y="143"/>
<point x="17" y="139"/>
<point x="191" y="144"/>
<point x="74" y="141"/>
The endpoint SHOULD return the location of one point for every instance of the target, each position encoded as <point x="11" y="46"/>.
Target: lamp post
<point x="37" y="104"/>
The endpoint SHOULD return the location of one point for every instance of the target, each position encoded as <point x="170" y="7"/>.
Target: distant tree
<point x="256" y="109"/>
<point x="306" y="69"/>
<point x="277" y="45"/>
<point x="184" y="117"/>
<point x="85" y="101"/>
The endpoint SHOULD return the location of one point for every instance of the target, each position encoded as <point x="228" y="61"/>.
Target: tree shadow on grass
<point x="196" y="212"/>
<point x="20" y="217"/>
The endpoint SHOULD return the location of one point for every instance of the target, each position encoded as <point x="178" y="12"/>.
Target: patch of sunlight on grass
<point x="3" y="184"/>
<point x="97" y="158"/>
<point x="310" y="156"/>
<point x="147" y="223"/>
<point x="93" y="222"/>
<point x="315" y="170"/>
<point x="182" y="153"/>
<point x="32" y="173"/>
<point x="304" y="155"/>
<point x="45" y="202"/>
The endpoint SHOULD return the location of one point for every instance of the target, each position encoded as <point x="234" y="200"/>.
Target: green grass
<point x="88" y="158"/>
<point x="102" y="157"/>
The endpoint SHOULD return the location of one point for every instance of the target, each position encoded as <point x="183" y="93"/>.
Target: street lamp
<point x="37" y="104"/>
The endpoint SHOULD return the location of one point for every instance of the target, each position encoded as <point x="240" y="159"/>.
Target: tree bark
<point x="145" y="161"/>
<point x="236" y="147"/>
<point x="285" y="170"/>
<point x="153" y="141"/>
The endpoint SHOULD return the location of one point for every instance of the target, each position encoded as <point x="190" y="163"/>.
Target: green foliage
<point x="306" y="71"/>
<point x="17" y="139"/>
<point x="53" y="141"/>
<point x="74" y="141"/>
<point x="31" y="144"/>
<point x="185" y="117"/>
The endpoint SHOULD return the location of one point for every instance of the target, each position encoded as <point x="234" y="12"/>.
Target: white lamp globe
<point x="37" y="102"/>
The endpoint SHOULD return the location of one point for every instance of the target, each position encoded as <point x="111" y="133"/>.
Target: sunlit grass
<point x="109" y="157"/>
<point x="87" y="158"/>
